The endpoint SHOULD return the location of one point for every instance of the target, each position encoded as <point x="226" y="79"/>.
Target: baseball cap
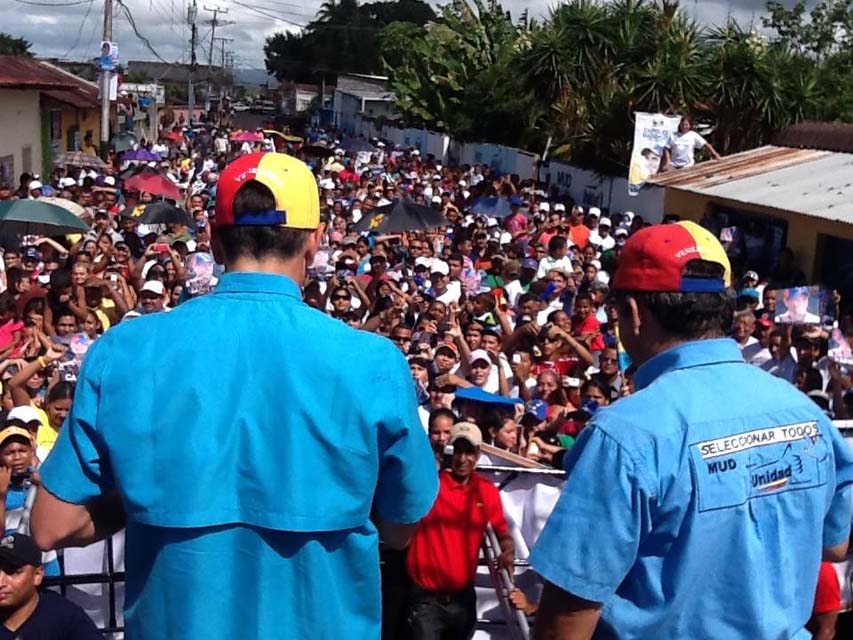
<point x="530" y="263"/>
<point x="153" y="286"/>
<point x="291" y="182"/>
<point x="654" y="258"/>
<point x="764" y="322"/>
<point x="538" y="408"/>
<point x="748" y="292"/>
<point x="452" y="348"/>
<point x="14" y="431"/>
<point x="559" y="207"/>
<point x="467" y="431"/>
<point x="620" y="232"/>
<point x="19" y="549"/>
<point x="544" y="206"/>
<point x="479" y="354"/>
<point x="750" y="275"/>
<point x="34" y="184"/>
<point x="595" y="211"/>
<point x="605" y="222"/>
<point x="439" y="266"/>
<point x="31" y="253"/>
<point x="24" y="413"/>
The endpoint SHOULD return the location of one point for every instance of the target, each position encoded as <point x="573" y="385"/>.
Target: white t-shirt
<point x="682" y="146"/>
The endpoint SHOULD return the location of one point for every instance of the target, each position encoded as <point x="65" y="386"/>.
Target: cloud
<point x="74" y="32"/>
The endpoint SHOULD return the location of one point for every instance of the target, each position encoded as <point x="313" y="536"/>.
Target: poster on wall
<point x="651" y="132"/>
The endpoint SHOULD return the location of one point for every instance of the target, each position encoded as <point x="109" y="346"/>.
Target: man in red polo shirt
<point x="443" y="554"/>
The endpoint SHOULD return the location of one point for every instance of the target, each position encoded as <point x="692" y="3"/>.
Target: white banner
<point x="651" y="133"/>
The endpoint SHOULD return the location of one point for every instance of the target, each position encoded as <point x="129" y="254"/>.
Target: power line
<point x="268" y="15"/>
<point x="144" y="40"/>
<point x="80" y="30"/>
<point x="55" y="4"/>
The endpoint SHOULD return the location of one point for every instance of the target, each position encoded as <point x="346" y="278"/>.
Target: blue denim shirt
<point x="249" y="436"/>
<point x="699" y="507"/>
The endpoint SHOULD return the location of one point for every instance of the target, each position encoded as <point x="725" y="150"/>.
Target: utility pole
<point x="222" y="72"/>
<point x="106" y="80"/>
<point x="192" y="12"/>
<point x="215" y="11"/>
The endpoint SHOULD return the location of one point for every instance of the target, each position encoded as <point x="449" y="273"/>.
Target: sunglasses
<point x="340" y="297"/>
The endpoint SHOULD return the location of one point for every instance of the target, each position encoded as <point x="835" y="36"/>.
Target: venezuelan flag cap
<point x="654" y="258"/>
<point x="297" y="201"/>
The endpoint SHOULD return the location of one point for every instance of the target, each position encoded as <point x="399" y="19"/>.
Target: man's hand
<point x="56" y="352"/>
<point x="5" y="480"/>
<point x="507" y="561"/>
<point x="520" y="601"/>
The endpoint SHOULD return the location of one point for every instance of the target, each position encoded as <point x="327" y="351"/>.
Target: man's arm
<point x="56" y="524"/>
<point x="838" y="553"/>
<point x="396" y="536"/>
<point x="563" y="616"/>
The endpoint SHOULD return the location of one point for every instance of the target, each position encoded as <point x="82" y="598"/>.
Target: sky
<point x="71" y="29"/>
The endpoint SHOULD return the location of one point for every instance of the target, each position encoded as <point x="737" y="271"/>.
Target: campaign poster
<point x="803" y="305"/>
<point x="108" y="59"/>
<point x="651" y="133"/>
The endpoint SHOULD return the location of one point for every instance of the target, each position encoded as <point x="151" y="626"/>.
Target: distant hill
<point x="254" y="78"/>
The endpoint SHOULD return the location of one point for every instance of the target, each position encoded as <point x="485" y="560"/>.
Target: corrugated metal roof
<point x="805" y="181"/>
<point x="26" y="73"/>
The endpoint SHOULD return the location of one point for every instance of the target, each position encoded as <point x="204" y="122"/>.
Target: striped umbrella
<point x="78" y="159"/>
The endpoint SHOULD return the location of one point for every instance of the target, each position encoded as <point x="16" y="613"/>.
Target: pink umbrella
<point x="247" y="136"/>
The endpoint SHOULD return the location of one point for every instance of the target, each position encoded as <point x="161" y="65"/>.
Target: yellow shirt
<point x="47" y="435"/>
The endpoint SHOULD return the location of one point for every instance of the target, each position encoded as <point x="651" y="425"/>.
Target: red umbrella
<point x="174" y="136"/>
<point x="247" y="136"/>
<point x="157" y="184"/>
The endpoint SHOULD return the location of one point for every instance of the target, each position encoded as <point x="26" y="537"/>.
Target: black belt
<point x="442" y="597"/>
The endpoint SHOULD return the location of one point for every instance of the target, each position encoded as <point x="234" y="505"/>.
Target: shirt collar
<point x="697" y="353"/>
<point x="250" y="282"/>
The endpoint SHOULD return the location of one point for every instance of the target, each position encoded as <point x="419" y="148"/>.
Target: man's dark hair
<point x="692" y="316"/>
<point x="814" y="381"/>
<point x="257" y="242"/>
<point x="441" y="412"/>
<point x="556" y="243"/>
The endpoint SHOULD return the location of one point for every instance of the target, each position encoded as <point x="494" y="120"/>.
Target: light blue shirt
<point x="249" y="437"/>
<point x="698" y="508"/>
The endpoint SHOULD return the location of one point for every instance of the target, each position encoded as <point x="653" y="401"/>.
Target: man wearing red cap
<point x="699" y="507"/>
<point x="248" y="498"/>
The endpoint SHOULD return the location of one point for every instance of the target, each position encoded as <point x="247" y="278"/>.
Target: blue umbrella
<point x="476" y="394"/>
<point x="492" y="207"/>
<point x="357" y="145"/>
<point x="143" y="155"/>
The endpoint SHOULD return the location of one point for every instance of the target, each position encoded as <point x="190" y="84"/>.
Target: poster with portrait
<point x="840" y="350"/>
<point x="651" y="133"/>
<point x="803" y="305"/>
<point x="108" y="58"/>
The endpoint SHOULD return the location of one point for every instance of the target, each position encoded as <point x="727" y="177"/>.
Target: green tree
<point x="343" y="37"/>
<point x="12" y="46"/>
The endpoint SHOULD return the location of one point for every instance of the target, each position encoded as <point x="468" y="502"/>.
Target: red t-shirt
<point x="828" y="595"/>
<point x="579" y="235"/>
<point x="444" y="550"/>
<point x="563" y="366"/>
<point x="589" y="325"/>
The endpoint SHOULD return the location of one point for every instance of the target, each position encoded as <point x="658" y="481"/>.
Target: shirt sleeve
<point x="828" y="594"/>
<point x="836" y="524"/>
<point x="495" y="509"/>
<point x="614" y="504"/>
<point x="408" y="481"/>
<point x="77" y="470"/>
<point x="698" y="141"/>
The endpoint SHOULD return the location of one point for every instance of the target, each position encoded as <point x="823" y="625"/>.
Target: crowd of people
<point x="504" y="319"/>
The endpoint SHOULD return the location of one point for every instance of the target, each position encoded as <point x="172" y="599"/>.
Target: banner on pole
<point x="651" y="133"/>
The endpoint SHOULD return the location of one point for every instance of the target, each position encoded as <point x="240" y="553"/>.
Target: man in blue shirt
<point x="701" y="506"/>
<point x="248" y="482"/>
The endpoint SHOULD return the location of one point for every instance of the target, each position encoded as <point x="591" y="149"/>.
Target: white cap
<point x="154" y="286"/>
<point x="491" y="222"/>
<point x="544" y="206"/>
<point x="35" y="184"/>
<point x="423" y="261"/>
<point x="466" y="194"/>
<point x="383" y="202"/>
<point x="578" y="207"/>
<point x="594" y="211"/>
<point x="24" y="413"/>
<point x="436" y="199"/>
<point x="621" y="231"/>
<point x="479" y="354"/>
<point x="415" y="152"/>
<point x="559" y="207"/>
<point x="380" y="144"/>
<point x="339" y="152"/>
<point x="327" y="183"/>
<point x="463" y="184"/>
<point x="109" y="180"/>
<point x="67" y="182"/>
<point x="439" y="266"/>
<point x="604" y="222"/>
<point x="629" y="215"/>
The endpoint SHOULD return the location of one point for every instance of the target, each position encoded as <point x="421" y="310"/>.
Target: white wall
<point x="20" y="115"/>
